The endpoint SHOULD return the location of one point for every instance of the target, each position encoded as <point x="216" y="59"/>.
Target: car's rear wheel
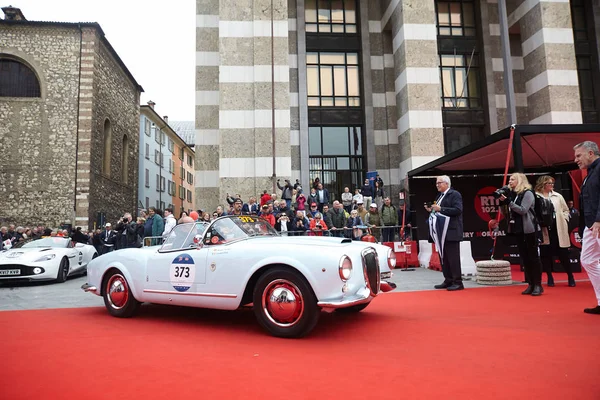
<point x="63" y="270"/>
<point x="118" y="298"/>
<point x="284" y="303"/>
<point x="353" y="309"/>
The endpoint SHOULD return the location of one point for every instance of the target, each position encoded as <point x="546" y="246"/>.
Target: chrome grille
<point x="371" y="269"/>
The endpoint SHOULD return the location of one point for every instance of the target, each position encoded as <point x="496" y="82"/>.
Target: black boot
<point x="529" y="290"/>
<point x="571" y="280"/>
<point x="537" y="290"/>
<point x="550" y="280"/>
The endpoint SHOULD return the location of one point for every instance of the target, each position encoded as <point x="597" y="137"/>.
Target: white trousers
<point x="590" y="259"/>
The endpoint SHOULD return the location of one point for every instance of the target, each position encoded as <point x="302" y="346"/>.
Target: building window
<point x="107" y="148"/>
<point x="586" y="54"/>
<point x="181" y="172"/>
<point x="580" y="29"/>
<point x="181" y="192"/>
<point x="17" y="80"/>
<point x="335" y="156"/>
<point x="157" y="157"/>
<point x="455" y="18"/>
<point x="460" y="81"/>
<point x="147" y="178"/>
<point x="125" y="159"/>
<point x="157" y="135"/>
<point x="157" y="182"/>
<point x="189" y="196"/>
<point x="333" y="79"/>
<point x="147" y="127"/>
<point x="171" y="146"/>
<point x="147" y="151"/>
<point x="181" y="153"/>
<point x="147" y="203"/>
<point x="162" y="205"/>
<point x="162" y="183"/>
<point x="457" y="137"/>
<point x="586" y="83"/>
<point x="190" y="178"/>
<point x="330" y="16"/>
<point x="190" y="160"/>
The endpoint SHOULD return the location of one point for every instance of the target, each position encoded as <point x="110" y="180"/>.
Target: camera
<point x="503" y="191"/>
<point x="428" y="204"/>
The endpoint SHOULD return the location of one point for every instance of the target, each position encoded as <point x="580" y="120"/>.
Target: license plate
<point x="10" y="272"/>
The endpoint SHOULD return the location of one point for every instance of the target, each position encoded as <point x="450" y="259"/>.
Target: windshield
<point x="48" y="242"/>
<point x="182" y="236"/>
<point x="228" y="229"/>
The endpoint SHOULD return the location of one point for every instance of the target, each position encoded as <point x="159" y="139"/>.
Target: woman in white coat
<point x="558" y="232"/>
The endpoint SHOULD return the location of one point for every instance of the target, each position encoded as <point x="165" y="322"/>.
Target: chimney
<point x="151" y="104"/>
<point x="13" y="14"/>
<point x="166" y="118"/>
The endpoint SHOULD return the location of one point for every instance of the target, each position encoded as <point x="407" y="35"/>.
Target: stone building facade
<point x="376" y="85"/>
<point x="70" y="125"/>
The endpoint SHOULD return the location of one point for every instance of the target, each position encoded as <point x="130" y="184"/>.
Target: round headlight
<point x="345" y="268"/>
<point x="391" y="259"/>
<point x="37" y="271"/>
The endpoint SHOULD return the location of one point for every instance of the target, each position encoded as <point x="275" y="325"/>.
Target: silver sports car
<point x="236" y="261"/>
<point x="52" y="258"/>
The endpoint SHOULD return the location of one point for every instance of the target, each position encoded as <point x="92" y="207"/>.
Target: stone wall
<point x="116" y="98"/>
<point x="51" y="147"/>
<point x="38" y="135"/>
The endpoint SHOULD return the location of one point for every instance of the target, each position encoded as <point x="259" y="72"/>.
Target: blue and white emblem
<point x="183" y="272"/>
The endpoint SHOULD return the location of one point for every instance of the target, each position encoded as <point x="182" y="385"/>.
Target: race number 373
<point x="182" y="273"/>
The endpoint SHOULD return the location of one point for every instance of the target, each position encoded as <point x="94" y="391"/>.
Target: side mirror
<point x="79" y="245"/>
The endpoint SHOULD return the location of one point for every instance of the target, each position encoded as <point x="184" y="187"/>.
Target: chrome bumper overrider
<point x="86" y="287"/>
<point x="387" y="286"/>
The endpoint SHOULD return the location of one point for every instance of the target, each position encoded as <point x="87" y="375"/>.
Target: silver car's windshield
<point x="182" y="236"/>
<point x="232" y="228"/>
<point x="59" y="242"/>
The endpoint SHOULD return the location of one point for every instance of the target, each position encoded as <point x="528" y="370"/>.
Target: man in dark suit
<point x="587" y="156"/>
<point x="108" y="238"/>
<point x="449" y="203"/>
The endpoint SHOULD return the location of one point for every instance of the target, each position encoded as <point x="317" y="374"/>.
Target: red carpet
<point x="489" y="343"/>
<point x="560" y="278"/>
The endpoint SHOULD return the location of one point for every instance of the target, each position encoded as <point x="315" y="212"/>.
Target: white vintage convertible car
<point x="46" y="259"/>
<point x="237" y="261"/>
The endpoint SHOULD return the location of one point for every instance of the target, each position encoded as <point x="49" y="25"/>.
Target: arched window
<point x="125" y="159"/>
<point x="17" y="79"/>
<point x="107" y="148"/>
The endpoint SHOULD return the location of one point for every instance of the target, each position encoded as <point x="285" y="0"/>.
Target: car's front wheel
<point x="284" y="303"/>
<point x="63" y="270"/>
<point x="118" y="298"/>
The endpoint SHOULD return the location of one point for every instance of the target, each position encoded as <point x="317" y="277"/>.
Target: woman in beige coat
<point x="558" y="232"/>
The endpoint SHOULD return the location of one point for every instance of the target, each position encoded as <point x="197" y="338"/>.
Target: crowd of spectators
<point x="294" y="212"/>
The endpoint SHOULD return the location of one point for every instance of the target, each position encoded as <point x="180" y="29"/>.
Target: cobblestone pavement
<point x="28" y="296"/>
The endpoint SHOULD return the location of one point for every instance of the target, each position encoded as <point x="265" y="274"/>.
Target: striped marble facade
<point x="551" y="80"/>
<point x="417" y="80"/>
<point x="234" y="98"/>
<point x="401" y="86"/>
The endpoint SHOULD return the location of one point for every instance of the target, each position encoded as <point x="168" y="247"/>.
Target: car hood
<point x="25" y="254"/>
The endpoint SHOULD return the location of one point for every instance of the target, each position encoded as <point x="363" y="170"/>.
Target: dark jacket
<point x="452" y="206"/>
<point x="286" y="190"/>
<point x="366" y="190"/>
<point x="338" y="218"/>
<point x="589" y="198"/>
<point x="148" y="226"/>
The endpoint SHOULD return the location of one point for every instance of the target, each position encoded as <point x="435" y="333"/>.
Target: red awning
<point x="543" y="148"/>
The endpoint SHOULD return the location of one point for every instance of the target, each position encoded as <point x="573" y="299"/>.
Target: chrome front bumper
<point x="86" y="287"/>
<point x="360" y="298"/>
